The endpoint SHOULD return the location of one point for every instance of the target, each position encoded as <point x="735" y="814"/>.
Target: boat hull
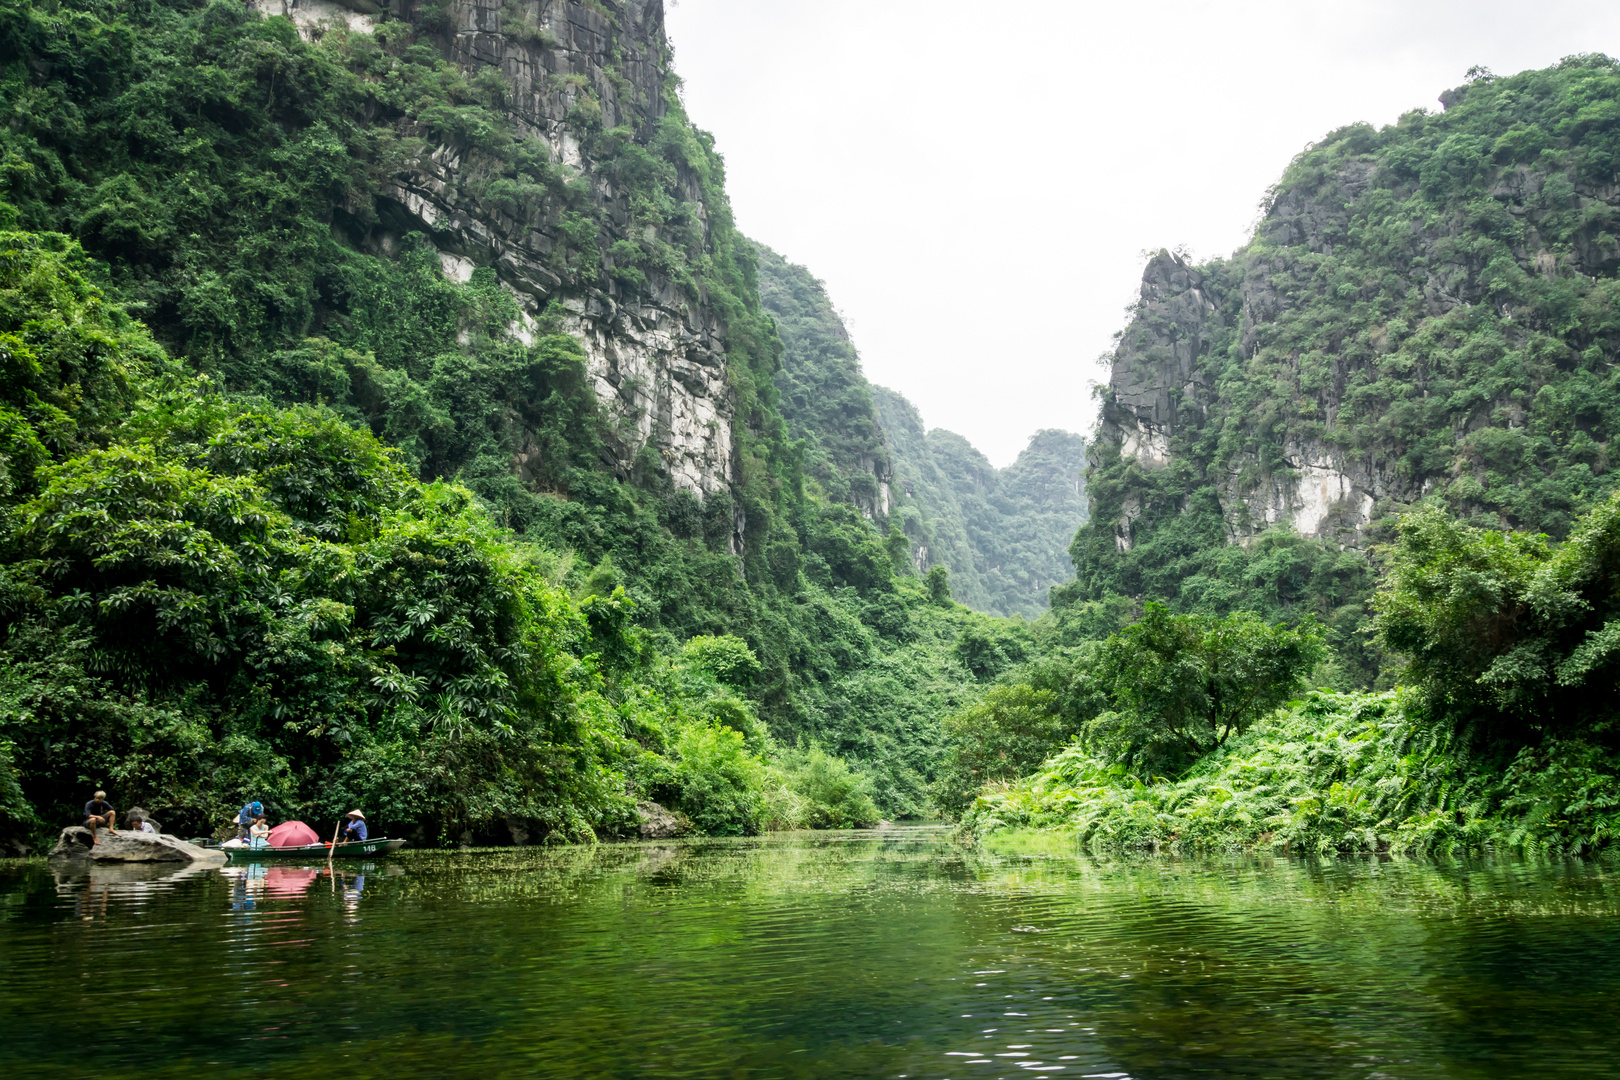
<point x="359" y="849"/>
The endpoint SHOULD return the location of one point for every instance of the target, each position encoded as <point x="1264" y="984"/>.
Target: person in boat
<point x="259" y="832"/>
<point x="98" y="812"/>
<point x="245" y="816"/>
<point x="354" y="827"/>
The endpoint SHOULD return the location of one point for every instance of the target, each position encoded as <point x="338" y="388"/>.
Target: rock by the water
<point x="138" y="814"/>
<point x="658" y="823"/>
<point x="129" y="847"/>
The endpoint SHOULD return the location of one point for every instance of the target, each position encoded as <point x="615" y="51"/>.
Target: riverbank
<point x="1333" y="773"/>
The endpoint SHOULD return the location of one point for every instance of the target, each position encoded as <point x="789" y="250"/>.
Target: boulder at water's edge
<point x="129" y="847"/>
<point x="658" y="823"/>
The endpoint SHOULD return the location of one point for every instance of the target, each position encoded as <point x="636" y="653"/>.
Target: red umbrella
<point x="292" y="834"/>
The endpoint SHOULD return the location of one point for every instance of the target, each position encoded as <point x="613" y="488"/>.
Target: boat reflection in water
<point x="252" y="882"/>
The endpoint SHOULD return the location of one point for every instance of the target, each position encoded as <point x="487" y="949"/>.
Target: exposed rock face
<point x="658" y="823"/>
<point x="129" y="847"/>
<point x="1160" y="384"/>
<point x="1164" y="405"/>
<point x="655" y="351"/>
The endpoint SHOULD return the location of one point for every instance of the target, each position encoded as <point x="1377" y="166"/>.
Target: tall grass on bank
<point x="1334" y="773"/>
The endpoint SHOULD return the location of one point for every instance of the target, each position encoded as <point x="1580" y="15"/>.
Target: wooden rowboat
<point x="356" y="850"/>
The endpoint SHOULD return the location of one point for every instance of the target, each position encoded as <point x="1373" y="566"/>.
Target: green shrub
<point x="1503" y="631"/>
<point x="727" y="658"/>
<point x="828" y="794"/>
<point x="1339" y="773"/>
<point x="1180" y="686"/>
<point x="721" y="784"/>
<point x="999" y="738"/>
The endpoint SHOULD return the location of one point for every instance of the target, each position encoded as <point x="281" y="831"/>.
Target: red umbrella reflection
<point x="288" y="880"/>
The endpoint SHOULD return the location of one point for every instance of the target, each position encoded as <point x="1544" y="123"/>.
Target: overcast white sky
<point x="977" y="183"/>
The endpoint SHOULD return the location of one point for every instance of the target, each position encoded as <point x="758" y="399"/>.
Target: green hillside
<point x="228" y="181"/>
<point x="1369" y="448"/>
<point x="1002" y="535"/>
<point x="307" y="496"/>
<point x="1426" y="312"/>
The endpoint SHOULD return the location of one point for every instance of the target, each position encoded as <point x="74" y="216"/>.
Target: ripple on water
<point x="875" y="953"/>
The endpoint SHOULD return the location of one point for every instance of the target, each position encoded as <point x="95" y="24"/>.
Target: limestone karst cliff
<point x="1002" y="534"/>
<point x="591" y="84"/>
<point x="1423" y="312"/>
<point x="489" y="236"/>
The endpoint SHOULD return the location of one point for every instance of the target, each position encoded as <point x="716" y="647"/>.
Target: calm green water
<point x="860" y="954"/>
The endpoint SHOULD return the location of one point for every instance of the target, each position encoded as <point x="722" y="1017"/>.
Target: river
<point x="893" y="953"/>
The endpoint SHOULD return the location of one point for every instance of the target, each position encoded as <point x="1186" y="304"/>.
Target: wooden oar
<point x="333" y="849"/>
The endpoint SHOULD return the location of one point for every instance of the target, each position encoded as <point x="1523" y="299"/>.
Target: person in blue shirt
<point x="354" y="827"/>
<point x="245" y="816"/>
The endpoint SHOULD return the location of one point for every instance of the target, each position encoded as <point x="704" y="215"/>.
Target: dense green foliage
<point x="1002" y="532"/>
<point x="207" y="600"/>
<point x="328" y="526"/>
<point x="1279" y="575"/>
<point x="1155" y="697"/>
<point x="1003" y="736"/>
<point x="1430" y="304"/>
<point x="1505" y="737"/>
<point x="1435" y="303"/>
<point x="1180" y="686"/>
<point x="1337" y="773"/>
<point x="1506" y="631"/>
<point x="232" y="182"/>
<point x="824" y="397"/>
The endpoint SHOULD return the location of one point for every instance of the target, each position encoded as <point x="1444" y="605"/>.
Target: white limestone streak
<point x="309" y="15"/>
<point x="1146" y="444"/>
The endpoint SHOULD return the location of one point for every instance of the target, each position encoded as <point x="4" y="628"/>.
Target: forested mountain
<point x="392" y="413"/>
<point x="484" y="239"/>
<point x="1002" y="532"/>
<point x="1002" y="535"/>
<point x="1426" y="312"/>
<point x="824" y="395"/>
<point x="1370" y="447"/>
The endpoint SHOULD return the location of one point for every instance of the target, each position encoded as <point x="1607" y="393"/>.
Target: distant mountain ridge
<point x="1000" y="531"/>
<point x="1003" y="534"/>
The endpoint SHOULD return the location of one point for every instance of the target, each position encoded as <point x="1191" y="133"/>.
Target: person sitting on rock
<point x="141" y="825"/>
<point x="98" y="812"/>
<point x="354" y="827"/>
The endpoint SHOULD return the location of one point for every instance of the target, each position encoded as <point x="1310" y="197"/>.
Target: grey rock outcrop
<point x="75" y="845"/>
<point x="655" y="352"/>
<point x="1194" y="325"/>
<point x="658" y="823"/>
<point x="1160" y="385"/>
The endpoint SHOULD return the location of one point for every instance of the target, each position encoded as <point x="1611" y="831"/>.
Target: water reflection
<point x="881" y="953"/>
<point x="92" y="887"/>
<point x="253" y="881"/>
